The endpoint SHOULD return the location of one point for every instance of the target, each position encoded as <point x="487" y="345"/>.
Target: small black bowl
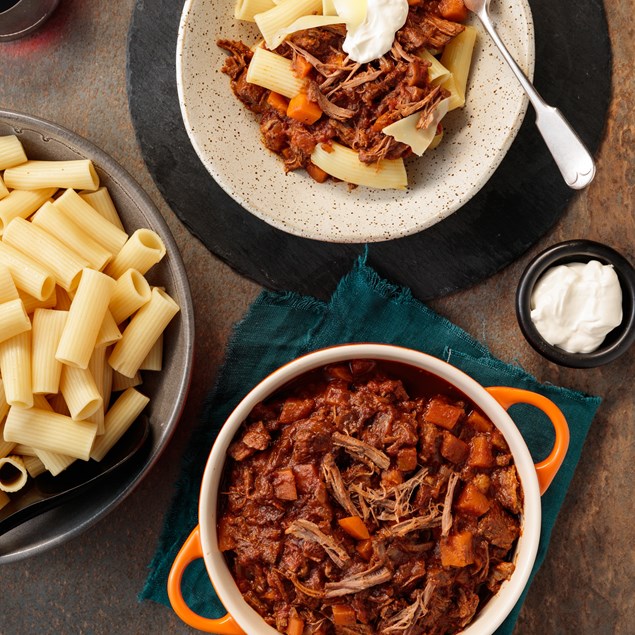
<point x="618" y="341"/>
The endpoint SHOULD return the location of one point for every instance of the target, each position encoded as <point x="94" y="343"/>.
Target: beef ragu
<point x="369" y="498"/>
<point x="357" y="100"/>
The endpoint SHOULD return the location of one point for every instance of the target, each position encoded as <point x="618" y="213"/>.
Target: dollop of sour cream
<point x="575" y="306"/>
<point x="375" y="35"/>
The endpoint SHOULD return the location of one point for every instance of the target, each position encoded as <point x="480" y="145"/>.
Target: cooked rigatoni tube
<point x="80" y="392"/>
<point x="11" y="152"/>
<point x="64" y="264"/>
<point x="28" y="275"/>
<point x="48" y="326"/>
<point x="344" y="164"/>
<point x="13" y="474"/>
<point x="247" y="9"/>
<point x="142" y="250"/>
<point x="15" y="365"/>
<point x="4" y="499"/>
<point x="23" y="450"/>
<point x="121" y="382"/>
<point x="457" y="58"/>
<point x="109" y="332"/>
<point x="101" y="201"/>
<point x="118" y="419"/>
<point x="33" y="466"/>
<point x="142" y="332"/>
<point x="21" y="204"/>
<point x="154" y="359"/>
<point x="4" y="191"/>
<point x="31" y="303"/>
<point x="272" y="21"/>
<point x="272" y="71"/>
<point x="33" y="175"/>
<point x="91" y="221"/>
<point x="13" y="319"/>
<point x="85" y="318"/>
<point x="54" y="462"/>
<point x="55" y="222"/>
<point x="50" y="431"/>
<point x="8" y="290"/>
<point x="131" y="292"/>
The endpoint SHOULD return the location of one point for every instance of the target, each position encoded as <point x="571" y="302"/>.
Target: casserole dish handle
<point x="547" y="469"/>
<point x="192" y="550"/>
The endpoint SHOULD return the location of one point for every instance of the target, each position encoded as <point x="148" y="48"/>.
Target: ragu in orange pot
<point x="387" y="494"/>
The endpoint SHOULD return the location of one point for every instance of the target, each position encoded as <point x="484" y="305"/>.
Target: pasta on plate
<point x="79" y="321"/>
<point x="331" y="100"/>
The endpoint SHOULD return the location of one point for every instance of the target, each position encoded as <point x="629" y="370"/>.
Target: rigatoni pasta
<point x="141" y="252"/>
<point x="50" y="431"/>
<point x="85" y="318"/>
<point x="91" y="221"/>
<point x="15" y="477"/>
<point x="142" y="332"/>
<point x="15" y="366"/>
<point x="56" y="223"/>
<point x="131" y="292"/>
<point x="118" y="419"/>
<point x="64" y="264"/>
<point x="21" y="204"/>
<point x="101" y="200"/>
<point x="52" y="286"/>
<point x="11" y="152"/>
<point x="48" y="325"/>
<point x="33" y="175"/>
<point x="13" y="319"/>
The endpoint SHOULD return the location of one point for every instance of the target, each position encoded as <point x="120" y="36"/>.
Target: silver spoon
<point x="570" y="154"/>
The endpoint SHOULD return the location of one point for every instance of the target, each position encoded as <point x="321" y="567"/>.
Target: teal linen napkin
<point x="364" y="308"/>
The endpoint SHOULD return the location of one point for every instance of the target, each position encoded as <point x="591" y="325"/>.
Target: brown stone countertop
<point x="90" y="584"/>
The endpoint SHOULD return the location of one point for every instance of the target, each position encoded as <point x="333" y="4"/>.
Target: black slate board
<point x="516" y="207"/>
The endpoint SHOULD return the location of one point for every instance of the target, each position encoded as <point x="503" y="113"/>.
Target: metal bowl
<point x="618" y="341"/>
<point x="167" y="390"/>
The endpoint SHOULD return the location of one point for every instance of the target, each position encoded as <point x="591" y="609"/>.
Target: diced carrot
<point x="480" y="452"/>
<point x="407" y="459"/>
<point x="295" y="626"/>
<point x="472" y="501"/>
<point x="456" y="550"/>
<point x="284" y="485"/>
<point x="318" y="174"/>
<point x="327" y="147"/>
<point x="454" y="10"/>
<point x="453" y="449"/>
<point x="302" y="109"/>
<point x="443" y="414"/>
<point x="301" y="67"/>
<point x="354" y="526"/>
<point x="278" y="102"/>
<point x="365" y="549"/>
<point x="479" y="422"/>
<point x="344" y="615"/>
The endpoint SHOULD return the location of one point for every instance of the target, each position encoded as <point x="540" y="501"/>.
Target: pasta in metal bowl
<point x="416" y="191"/>
<point x="91" y="288"/>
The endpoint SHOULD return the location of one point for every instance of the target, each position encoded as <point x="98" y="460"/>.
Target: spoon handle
<point x="569" y="152"/>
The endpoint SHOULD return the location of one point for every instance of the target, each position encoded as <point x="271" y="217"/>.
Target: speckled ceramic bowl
<point x="227" y="138"/>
